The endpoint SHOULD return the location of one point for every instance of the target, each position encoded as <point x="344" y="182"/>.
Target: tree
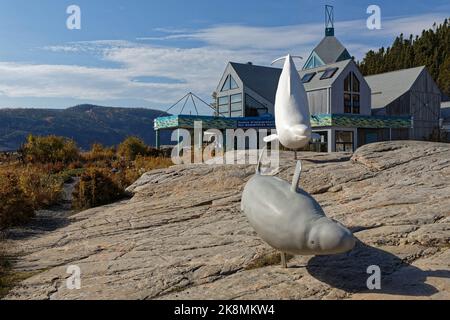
<point x="50" y="149"/>
<point x="430" y="49"/>
<point x="131" y="148"/>
<point x="444" y="76"/>
<point x="96" y="188"/>
<point x="15" y="206"/>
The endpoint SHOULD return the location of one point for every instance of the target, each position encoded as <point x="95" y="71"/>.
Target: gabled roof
<point x="331" y="50"/>
<point x="387" y="87"/>
<point x="262" y="80"/>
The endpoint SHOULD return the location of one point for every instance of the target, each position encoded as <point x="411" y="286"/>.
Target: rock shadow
<point x="338" y="160"/>
<point x="44" y="222"/>
<point x="348" y="272"/>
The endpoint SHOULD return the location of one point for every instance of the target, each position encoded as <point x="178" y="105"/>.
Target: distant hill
<point x="86" y="124"/>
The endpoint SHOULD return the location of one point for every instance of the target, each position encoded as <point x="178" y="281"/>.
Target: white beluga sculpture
<point x="292" y="116"/>
<point x="290" y="220"/>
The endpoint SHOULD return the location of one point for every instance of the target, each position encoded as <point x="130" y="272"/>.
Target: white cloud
<point x="197" y="68"/>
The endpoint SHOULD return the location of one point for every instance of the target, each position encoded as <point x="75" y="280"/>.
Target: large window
<point x="254" y="108"/>
<point x="229" y="84"/>
<point x="230" y="106"/>
<point x="320" y="145"/>
<point x="236" y="105"/>
<point x="344" y="141"/>
<point x="352" y="94"/>
<point x="224" y="106"/>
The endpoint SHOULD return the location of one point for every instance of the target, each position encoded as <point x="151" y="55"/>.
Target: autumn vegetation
<point x="34" y="177"/>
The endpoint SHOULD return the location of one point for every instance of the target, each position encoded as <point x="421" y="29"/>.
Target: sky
<point x="148" y="53"/>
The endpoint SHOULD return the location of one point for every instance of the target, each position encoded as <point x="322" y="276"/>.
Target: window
<point x="254" y="108"/>
<point x="230" y="105"/>
<point x="355" y="83"/>
<point x="329" y="73"/>
<point x="224" y="106"/>
<point x="313" y="62"/>
<point x="320" y="145"/>
<point x="348" y="84"/>
<point x="352" y="97"/>
<point x="308" y="77"/>
<point x="236" y="105"/>
<point x="229" y="84"/>
<point x="356" y="104"/>
<point x="344" y="141"/>
<point x="347" y="103"/>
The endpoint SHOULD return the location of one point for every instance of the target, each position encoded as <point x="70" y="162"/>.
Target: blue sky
<point x="144" y="53"/>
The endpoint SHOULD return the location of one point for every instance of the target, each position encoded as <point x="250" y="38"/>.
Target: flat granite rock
<point x="182" y="235"/>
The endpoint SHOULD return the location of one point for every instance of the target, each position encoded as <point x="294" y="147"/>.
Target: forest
<point x="430" y="49"/>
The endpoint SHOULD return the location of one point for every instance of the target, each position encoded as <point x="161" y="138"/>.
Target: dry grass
<point x="10" y="278"/>
<point x="267" y="259"/>
<point x="34" y="179"/>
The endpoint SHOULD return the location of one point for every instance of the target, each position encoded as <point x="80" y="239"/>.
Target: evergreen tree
<point x="430" y="49"/>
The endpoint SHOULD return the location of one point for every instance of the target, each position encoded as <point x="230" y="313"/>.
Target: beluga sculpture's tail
<point x="292" y="116"/>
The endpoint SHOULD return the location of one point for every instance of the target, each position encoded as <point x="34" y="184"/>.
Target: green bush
<point x="50" y="149"/>
<point x="96" y="188"/>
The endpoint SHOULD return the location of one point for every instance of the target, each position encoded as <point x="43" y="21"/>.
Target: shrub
<point x="131" y="148"/>
<point x="99" y="153"/>
<point x="41" y="188"/>
<point x="15" y="207"/>
<point x="96" y="188"/>
<point x="50" y="149"/>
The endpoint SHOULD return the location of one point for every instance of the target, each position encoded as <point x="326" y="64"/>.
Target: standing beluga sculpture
<point x="284" y="215"/>
<point x="292" y="116"/>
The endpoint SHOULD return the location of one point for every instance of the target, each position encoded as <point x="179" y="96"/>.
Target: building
<point x="411" y="92"/>
<point x="445" y="121"/>
<point x="329" y="50"/>
<point x="347" y="109"/>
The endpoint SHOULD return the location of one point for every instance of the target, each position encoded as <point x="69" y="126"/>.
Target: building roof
<point x="317" y="82"/>
<point x="387" y="87"/>
<point x="331" y="50"/>
<point x="264" y="80"/>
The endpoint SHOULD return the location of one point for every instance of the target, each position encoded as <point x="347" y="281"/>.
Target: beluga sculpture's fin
<point x="297" y="176"/>
<point x="258" y="167"/>
<point x="273" y="137"/>
<point x="286" y="57"/>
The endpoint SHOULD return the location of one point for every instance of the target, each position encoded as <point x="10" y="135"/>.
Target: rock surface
<point x="182" y="235"/>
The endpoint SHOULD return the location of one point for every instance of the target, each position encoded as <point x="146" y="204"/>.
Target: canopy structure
<point x="317" y="121"/>
<point x="189" y="97"/>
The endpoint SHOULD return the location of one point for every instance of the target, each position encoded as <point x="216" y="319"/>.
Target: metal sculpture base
<point x="283" y="260"/>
